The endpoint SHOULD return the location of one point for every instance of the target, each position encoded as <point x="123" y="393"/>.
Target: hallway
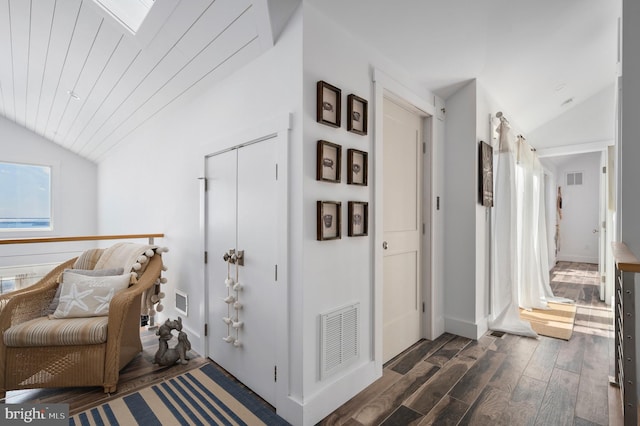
<point x="502" y="379"/>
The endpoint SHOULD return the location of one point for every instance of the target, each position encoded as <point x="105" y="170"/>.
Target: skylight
<point x="130" y="13"/>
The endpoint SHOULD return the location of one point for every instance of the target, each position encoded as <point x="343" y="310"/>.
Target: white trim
<point x="278" y="128"/>
<point x="385" y="86"/>
<point x="579" y="148"/>
<point x="466" y="329"/>
<point x="577" y="258"/>
<point x="55" y="204"/>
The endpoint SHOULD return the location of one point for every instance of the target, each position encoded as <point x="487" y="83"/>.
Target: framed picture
<point x="329" y="105"/>
<point x="358" y="219"/>
<point x="329" y="163"/>
<point x="329" y="214"/>
<point x="357" y="167"/>
<point x="486" y="174"/>
<point x="357" y="115"/>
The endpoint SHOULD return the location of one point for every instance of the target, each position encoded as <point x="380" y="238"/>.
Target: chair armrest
<point x="122" y="316"/>
<point x="120" y="304"/>
<point x="31" y="302"/>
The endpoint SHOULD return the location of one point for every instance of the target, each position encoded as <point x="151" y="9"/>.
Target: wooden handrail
<point x="625" y="260"/>
<point x="78" y="238"/>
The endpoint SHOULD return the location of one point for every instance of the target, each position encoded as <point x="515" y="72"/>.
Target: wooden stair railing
<point x="79" y="238"/>
<point x="627" y="265"/>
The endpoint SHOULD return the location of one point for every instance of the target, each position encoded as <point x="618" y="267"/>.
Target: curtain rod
<point x="503" y="119"/>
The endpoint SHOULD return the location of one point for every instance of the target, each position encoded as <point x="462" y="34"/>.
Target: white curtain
<point x="519" y="245"/>
<point x="504" y="244"/>
<point x="533" y="261"/>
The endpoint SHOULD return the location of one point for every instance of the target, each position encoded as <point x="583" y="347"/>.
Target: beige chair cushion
<point x="57" y="332"/>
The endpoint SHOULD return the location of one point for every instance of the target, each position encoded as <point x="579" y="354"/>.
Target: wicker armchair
<point x="56" y="365"/>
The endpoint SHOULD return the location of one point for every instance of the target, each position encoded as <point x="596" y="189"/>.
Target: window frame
<point x="54" y="167"/>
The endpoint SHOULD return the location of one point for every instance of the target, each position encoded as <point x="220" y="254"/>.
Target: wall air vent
<point x="339" y="338"/>
<point x="182" y="302"/>
<point x="574" y="178"/>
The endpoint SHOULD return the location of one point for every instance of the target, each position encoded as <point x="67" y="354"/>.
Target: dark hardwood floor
<point x="502" y="379"/>
<point x="499" y="379"/>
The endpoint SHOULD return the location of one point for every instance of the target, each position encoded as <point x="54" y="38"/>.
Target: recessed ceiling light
<point x="567" y="102"/>
<point x="73" y="95"/>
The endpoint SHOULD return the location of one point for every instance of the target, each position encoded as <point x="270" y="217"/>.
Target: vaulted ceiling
<point x="72" y="74"/>
<point x="532" y="56"/>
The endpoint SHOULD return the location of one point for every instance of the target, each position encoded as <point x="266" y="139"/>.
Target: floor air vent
<point x="339" y="338"/>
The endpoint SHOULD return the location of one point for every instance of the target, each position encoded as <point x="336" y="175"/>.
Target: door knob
<point x="385" y="245"/>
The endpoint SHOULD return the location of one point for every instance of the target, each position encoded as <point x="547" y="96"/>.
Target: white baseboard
<point x="577" y="258"/>
<point x="328" y="399"/>
<point x="464" y="328"/>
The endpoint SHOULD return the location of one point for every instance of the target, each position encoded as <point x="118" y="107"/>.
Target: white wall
<point x="459" y="204"/>
<point x="580" y="209"/>
<point x="74" y="208"/>
<point x="150" y="182"/>
<point x="467" y="264"/>
<point x="341" y="272"/>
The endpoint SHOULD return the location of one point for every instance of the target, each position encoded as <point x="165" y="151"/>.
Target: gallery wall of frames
<point x="329" y="163"/>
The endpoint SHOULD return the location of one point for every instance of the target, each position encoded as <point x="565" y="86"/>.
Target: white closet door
<point x="250" y="175"/>
<point x="402" y="292"/>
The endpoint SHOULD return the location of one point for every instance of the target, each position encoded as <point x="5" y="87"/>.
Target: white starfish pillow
<point x="84" y="296"/>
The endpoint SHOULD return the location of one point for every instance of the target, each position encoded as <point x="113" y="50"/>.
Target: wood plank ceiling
<point x="72" y="74"/>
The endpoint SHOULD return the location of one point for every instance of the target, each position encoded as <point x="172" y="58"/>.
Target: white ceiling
<point x="530" y="55"/>
<point x="50" y="48"/>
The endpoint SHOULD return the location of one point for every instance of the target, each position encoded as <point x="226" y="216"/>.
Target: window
<point x="25" y="197"/>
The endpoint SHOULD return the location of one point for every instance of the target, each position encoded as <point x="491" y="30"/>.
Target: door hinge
<point x="204" y="179"/>
<point x="422" y="306"/>
<point x="276" y="171"/>
<point x="206" y="256"/>
<point x="424" y="147"/>
<point x="276" y="272"/>
<point x="423" y="229"/>
<point x="437" y="203"/>
<point x="275" y="373"/>
<point x="604" y="169"/>
<point x="603" y="278"/>
<point x="206" y="330"/>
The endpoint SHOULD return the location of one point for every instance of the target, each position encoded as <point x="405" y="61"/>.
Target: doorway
<point x="402" y="226"/>
<point x="242" y="215"/>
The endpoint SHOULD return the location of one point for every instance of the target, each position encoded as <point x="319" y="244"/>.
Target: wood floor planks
<point x="380" y="407"/>
<point x="502" y="380"/>
<point x="495" y="380"/>
<point x="558" y="405"/>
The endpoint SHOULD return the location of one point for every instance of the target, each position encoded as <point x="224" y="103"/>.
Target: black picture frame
<point x="357" y="167"/>
<point x="329" y="162"/>
<point x="329" y="222"/>
<point x="357" y="114"/>
<point x="358" y="214"/>
<point x="485" y="178"/>
<point x="329" y="104"/>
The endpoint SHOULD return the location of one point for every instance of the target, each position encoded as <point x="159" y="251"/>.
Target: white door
<point x="602" y="226"/>
<point x="241" y="215"/>
<point x="402" y="213"/>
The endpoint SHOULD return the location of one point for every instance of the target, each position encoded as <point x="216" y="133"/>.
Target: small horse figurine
<point x="177" y="354"/>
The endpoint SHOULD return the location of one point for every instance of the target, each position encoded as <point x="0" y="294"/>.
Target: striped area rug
<point x="203" y="396"/>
